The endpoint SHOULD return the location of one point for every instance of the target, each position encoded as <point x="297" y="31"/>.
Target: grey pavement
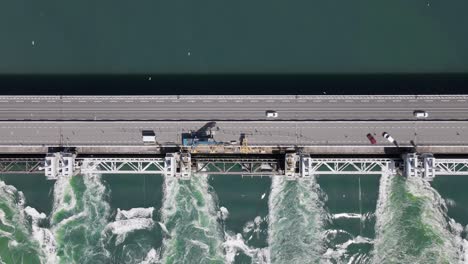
<point x="306" y="133"/>
<point x="193" y="108"/>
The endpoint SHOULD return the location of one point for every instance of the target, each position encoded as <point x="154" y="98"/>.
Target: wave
<point x="296" y="221"/>
<point x="189" y="215"/>
<point x="19" y="231"/>
<point x="131" y="235"/>
<point x="412" y="224"/>
<point x="80" y="214"/>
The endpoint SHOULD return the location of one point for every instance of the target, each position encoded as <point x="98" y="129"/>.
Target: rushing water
<point x="189" y="221"/>
<point x="296" y="222"/>
<point x="230" y="219"/>
<point x="412" y="225"/>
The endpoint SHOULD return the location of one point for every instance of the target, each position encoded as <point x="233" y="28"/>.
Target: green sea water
<point x="232" y="219"/>
<point x="122" y="37"/>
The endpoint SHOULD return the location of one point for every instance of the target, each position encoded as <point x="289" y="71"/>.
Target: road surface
<point x="229" y="108"/>
<point x="309" y="133"/>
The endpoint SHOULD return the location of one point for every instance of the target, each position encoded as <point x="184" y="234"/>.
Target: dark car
<point x="371" y="139"/>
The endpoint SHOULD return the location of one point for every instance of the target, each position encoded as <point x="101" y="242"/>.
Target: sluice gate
<point x="184" y="165"/>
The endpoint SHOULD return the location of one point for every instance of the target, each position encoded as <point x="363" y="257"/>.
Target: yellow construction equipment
<point x="245" y="148"/>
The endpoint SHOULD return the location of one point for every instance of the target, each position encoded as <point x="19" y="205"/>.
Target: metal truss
<point x="122" y="165"/>
<point x="350" y="166"/>
<point x="451" y="166"/>
<point x="21" y="165"/>
<point x="238" y="166"/>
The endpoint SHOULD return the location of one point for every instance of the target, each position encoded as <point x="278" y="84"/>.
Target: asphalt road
<point x="315" y="133"/>
<point x="227" y="108"/>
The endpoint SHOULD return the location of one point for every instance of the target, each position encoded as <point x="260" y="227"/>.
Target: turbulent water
<point x="16" y="245"/>
<point x="79" y="216"/>
<point x="189" y="220"/>
<point x="335" y="219"/>
<point x="412" y="225"/>
<point x="296" y="222"/>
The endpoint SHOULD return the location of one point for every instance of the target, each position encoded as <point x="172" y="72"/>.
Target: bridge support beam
<point x="419" y="165"/>
<point x="305" y="166"/>
<point x="291" y="168"/>
<point x="171" y="163"/>
<point x="186" y="166"/>
<point x="59" y="164"/>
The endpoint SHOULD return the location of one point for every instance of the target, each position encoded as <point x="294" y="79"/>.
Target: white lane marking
<point x="332" y="101"/>
<point x="3" y="101"/>
<point x="128" y="101"/>
<point x="35" y="101"/>
<point x="67" y="101"/>
<point x="144" y="101"/>
<point x="51" y="101"/>
<point x="270" y="101"/>
<point x="445" y="100"/>
<point x="317" y="101"/>
<point x="81" y="101"/>
<point x="207" y="101"/>
<point x="113" y="101"/>
<point x="461" y="100"/>
<point x="301" y="101"/>
<point x="19" y="101"/>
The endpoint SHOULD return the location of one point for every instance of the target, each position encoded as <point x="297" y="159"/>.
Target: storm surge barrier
<point x="289" y="165"/>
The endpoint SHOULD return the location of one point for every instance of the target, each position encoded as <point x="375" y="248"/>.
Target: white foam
<point x="223" y="213"/>
<point x="42" y="235"/>
<point x="450" y="202"/>
<point x="235" y="243"/>
<point x="134" y="213"/>
<point x="263" y="196"/>
<point x="124" y="226"/>
<point x="346" y="215"/>
<point x="249" y="226"/>
<point x="164" y="228"/>
<point x="152" y="257"/>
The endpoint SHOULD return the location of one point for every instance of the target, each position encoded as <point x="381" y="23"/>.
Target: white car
<point x="388" y="137"/>
<point x="272" y="114"/>
<point x="420" y="114"/>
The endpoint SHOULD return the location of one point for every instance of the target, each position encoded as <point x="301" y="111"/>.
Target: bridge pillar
<point x="419" y="165"/>
<point x="51" y="166"/>
<point x="305" y="166"/>
<point x="428" y="166"/>
<point x="186" y="166"/>
<point x="171" y="164"/>
<point x="291" y="169"/>
<point x="410" y="164"/>
<point x="59" y="164"/>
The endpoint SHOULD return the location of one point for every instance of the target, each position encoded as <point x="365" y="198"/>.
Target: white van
<point x="149" y="137"/>
<point x="420" y="114"/>
<point x="271" y="113"/>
